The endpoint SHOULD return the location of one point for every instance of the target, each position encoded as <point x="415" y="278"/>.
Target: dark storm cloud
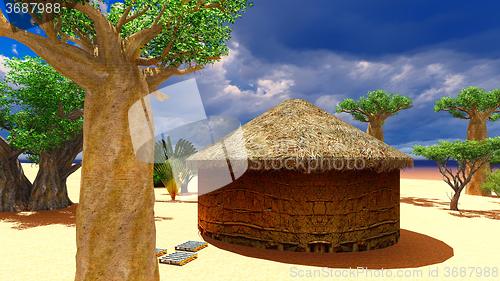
<point x="370" y="28"/>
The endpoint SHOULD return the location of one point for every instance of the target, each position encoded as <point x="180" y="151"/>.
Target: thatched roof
<point x="298" y="135"/>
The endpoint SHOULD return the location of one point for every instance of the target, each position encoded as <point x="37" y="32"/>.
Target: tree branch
<point x="16" y="152"/>
<point x="106" y="35"/>
<point x="443" y="172"/>
<point x="124" y="19"/>
<point x="69" y="60"/>
<point x="136" y="41"/>
<point x="73" y="168"/>
<point x="7" y="151"/>
<point x="459" y="108"/>
<point x="72" y="116"/>
<point x="5" y="148"/>
<point x="164" y="54"/>
<point x="75" y="114"/>
<point x="155" y="76"/>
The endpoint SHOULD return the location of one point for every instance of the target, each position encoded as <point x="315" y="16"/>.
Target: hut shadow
<point x="413" y="250"/>
<point x="442" y="205"/>
<point x="26" y="220"/>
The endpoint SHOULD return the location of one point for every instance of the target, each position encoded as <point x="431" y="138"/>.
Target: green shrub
<point x="157" y="179"/>
<point x="492" y="183"/>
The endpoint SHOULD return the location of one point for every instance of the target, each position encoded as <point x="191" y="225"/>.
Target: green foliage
<point x="157" y="179"/>
<point x="171" y="161"/>
<point x="496" y="158"/>
<point x="377" y="104"/>
<point x="469" y="100"/>
<point x="164" y="149"/>
<point x="460" y="151"/>
<point x="473" y="154"/>
<point x="492" y="182"/>
<point x="164" y="171"/>
<point x="200" y="33"/>
<point x="41" y="108"/>
<point x="4" y="106"/>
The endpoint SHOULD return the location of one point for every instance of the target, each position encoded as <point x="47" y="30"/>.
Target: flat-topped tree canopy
<point x="298" y="131"/>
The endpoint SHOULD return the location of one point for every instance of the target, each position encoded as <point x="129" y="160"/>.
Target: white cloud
<point x="243" y="85"/>
<point x="14" y="49"/>
<point x="451" y="85"/>
<point x="364" y="69"/>
<point x="424" y="76"/>
<point x="328" y="102"/>
<point x="263" y="90"/>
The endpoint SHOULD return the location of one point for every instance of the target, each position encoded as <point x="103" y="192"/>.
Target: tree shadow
<point x="424" y="202"/>
<point x="163" y="218"/>
<point x="442" y="205"/>
<point x="491" y="214"/>
<point x="66" y="216"/>
<point x="413" y="250"/>
<point x="25" y="220"/>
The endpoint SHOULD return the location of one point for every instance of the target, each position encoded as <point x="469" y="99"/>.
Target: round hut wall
<point x="333" y="211"/>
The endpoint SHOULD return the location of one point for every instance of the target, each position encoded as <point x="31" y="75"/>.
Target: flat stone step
<point x="178" y="258"/>
<point x="191" y="246"/>
<point x="160" y="252"/>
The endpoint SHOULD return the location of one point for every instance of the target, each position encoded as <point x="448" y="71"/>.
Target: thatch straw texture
<point x="296" y="135"/>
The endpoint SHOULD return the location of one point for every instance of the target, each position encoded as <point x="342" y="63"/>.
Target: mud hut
<point x="313" y="183"/>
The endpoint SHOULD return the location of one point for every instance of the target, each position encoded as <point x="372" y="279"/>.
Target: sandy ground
<point x="436" y="244"/>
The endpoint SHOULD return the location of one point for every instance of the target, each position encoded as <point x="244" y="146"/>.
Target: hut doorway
<point x="319" y="247"/>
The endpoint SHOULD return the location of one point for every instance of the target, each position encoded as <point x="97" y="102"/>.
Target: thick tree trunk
<point x="477" y="130"/>
<point x="15" y="188"/>
<point x="49" y="188"/>
<point x="116" y="234"/>
<point x="375" y="129"/>
<point x="454" y="201"/>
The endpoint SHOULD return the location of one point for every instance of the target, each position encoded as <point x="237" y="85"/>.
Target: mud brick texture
<point x="330" y="211"/>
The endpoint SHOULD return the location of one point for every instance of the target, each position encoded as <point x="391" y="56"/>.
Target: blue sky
<point x="328" y="50"/>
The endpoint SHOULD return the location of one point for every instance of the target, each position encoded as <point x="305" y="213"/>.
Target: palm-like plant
<point x="171" y="166"/>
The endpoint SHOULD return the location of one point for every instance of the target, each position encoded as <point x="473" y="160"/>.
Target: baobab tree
<point x="46" y="125"/>
<point x="15" y="188"/>
<point x="478" y="106"/>
<point x="374" y="109"/>
<point x="118" y="57"/>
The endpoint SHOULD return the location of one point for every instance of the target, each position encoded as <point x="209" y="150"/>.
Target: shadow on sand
<point x="25" y="220"/>
<point x="67" y="217"/>
<point x="442" y="205"/>
<point x="176" y="201"/>
<point x="413" y="250"/>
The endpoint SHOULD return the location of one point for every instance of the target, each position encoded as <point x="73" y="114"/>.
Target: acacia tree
<point x="469" y="155"/>
<point x="47" y="126"/>
<point x="15" y="188"/>
<point x="119" y="57"/>
<point x="374" y="109"/>
<point x="478" y="106"/>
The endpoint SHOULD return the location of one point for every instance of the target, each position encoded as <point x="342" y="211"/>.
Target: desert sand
<point x="436" y="244"/>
